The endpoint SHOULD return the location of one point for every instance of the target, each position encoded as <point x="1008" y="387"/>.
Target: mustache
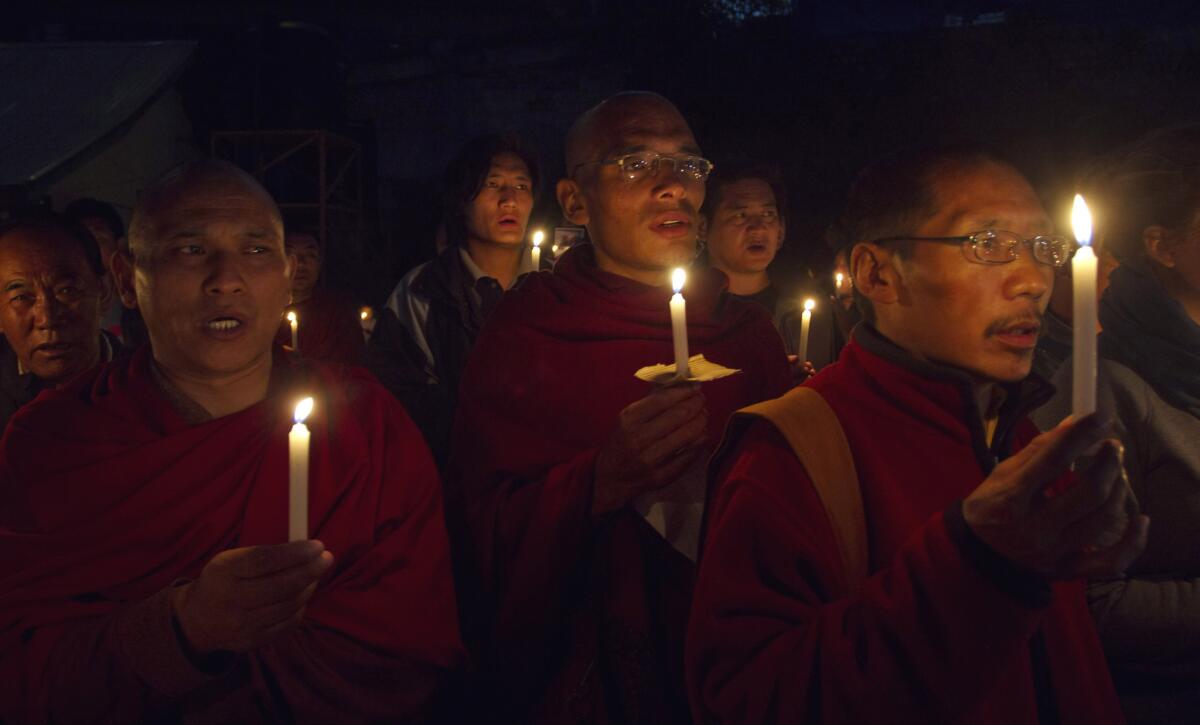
<point x="1005" y="323"/>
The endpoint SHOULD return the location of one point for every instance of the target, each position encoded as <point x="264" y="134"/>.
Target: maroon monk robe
<point x="944" y="629"/>
<point x="589" y="616"/>
<point x="109" y="497"/>
<point x="329" y="328"/>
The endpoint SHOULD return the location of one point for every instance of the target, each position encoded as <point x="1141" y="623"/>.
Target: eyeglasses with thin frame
<point x="640" y="164"/>
<point x="996" y="246"/>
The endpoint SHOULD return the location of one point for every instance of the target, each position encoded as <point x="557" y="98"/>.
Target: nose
<point x="224" y="275"/>
<point x="47" y="310"/>
<point x="668" y="183"/>
<point x="1027" y="277"/>
<point x="508" y="196"/>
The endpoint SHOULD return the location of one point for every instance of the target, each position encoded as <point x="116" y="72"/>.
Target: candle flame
<point x="554" y="249"/>
<point x="1081" y="221"/>
<point x="837" y="278"/>
<point x="678" y="277"/>
<point x="291" y="317"/>
<point x="538" y="236"/>
<point x="365" y="313"/>
<point x="810" y="304"/>
<point x="303" y="408"/>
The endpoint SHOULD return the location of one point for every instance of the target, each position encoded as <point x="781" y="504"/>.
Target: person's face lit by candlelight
<point x="745" y="228"/>
<point x="52" y="300"/>
<point x="307" y="252"/>
<point x="936" y="303"/>
<point x="499" y="213"/>
<point x="636" y="182"/>
<point x="208" y="270"/>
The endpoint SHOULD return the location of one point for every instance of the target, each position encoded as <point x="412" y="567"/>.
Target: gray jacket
<point x="1149" y="621"/>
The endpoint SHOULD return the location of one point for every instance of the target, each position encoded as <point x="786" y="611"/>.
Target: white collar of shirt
<point x="477" y="273"/>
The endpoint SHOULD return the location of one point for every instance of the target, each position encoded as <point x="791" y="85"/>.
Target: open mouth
<point x="672" y="225"/>
<point x="508" y="222"/>
<point x="1021" y="334"/>
<point x="223" y="324"/>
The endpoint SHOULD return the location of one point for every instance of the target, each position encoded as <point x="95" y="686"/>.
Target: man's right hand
<point x="657" y="439"/>
<point x="1091" y="529"/>
<point x="245" y="597"/>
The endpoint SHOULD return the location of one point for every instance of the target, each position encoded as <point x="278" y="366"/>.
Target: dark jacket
<point x="426" y="379"/>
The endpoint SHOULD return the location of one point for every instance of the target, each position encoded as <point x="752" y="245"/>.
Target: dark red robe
<point x="944" y="631"/>
<point x="107" y="497"/>
<point x="588" y="617"/>
<point x="329" y="328"/>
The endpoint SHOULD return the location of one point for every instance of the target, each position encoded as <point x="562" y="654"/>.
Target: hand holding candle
<point x="291" y="318"/>
<point x="1083" y="277"/>
<point x="805" y="324"/>
<point x="679" y="323"/>
<point x="298" y="473"/>
<point x="538" y="236"/>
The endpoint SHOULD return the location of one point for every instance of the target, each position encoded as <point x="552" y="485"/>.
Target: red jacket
<point x="945" y="630"/>
<point x="588" y="618"/>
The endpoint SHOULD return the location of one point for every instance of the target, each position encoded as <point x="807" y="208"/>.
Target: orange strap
<point x="812" y="429"/>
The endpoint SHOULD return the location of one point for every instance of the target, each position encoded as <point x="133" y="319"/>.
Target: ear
<point x="123" y="273"/>
<point x="570" y="199"/>
<point x="291" y="265"/>
<point x="873" y="269"/>
<point x="1156" y="240"/>
<point x="702" y="228"/>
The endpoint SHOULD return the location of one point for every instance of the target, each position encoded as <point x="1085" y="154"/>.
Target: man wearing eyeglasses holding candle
<point x="956" y="597"/>
<point x="583" y="486"/>
<point x="143" y="506"/>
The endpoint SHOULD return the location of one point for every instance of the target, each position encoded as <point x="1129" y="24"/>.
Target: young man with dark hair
<point x="582" y="484"/>
<point x="933" y="574"/>
<point x="744" y="225"/>
<point x="54" y="289"/>
<point x="429" y="325"/>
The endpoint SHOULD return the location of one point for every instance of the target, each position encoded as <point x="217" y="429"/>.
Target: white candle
<point x="679" y="323"/>
<point x="298" y="474"/>
<point x="805" y="323"/>
<point x="291" y="318"/>
<point x="538" y="236"/>
<point x="1083" y="276"/>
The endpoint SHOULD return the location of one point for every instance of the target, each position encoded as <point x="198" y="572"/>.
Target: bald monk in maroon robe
<point x="582" y="484"/>
<point x="144" y="507"/>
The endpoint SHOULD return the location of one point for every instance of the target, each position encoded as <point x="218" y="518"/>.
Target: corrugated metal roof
<point x="58" y="99"/>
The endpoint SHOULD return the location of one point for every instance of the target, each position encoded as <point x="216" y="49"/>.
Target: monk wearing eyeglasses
<point x="583" y="486"/>
<point x="935" y="572"/>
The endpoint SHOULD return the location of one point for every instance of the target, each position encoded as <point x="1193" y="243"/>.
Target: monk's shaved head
<point x="206" y="178"/>
<point x="602" y="130"/>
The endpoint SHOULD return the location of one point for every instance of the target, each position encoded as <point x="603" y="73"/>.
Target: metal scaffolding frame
<point x="315" y="176"/>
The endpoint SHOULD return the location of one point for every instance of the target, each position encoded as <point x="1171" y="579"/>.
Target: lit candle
<point x="1083" y="275"/>
<point x="298" y="474"/>
<point x="538" y="236"/>
<point x="805" y="323"/>
<point x="365" y="314"/>
<point x="291" y="318"/>
<point x="837" y="282"/>
<point x="679" y="323"/>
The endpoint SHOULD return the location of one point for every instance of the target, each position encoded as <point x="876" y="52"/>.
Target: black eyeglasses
<point x="996" y="246"/>
<point x="636" y="166"/>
